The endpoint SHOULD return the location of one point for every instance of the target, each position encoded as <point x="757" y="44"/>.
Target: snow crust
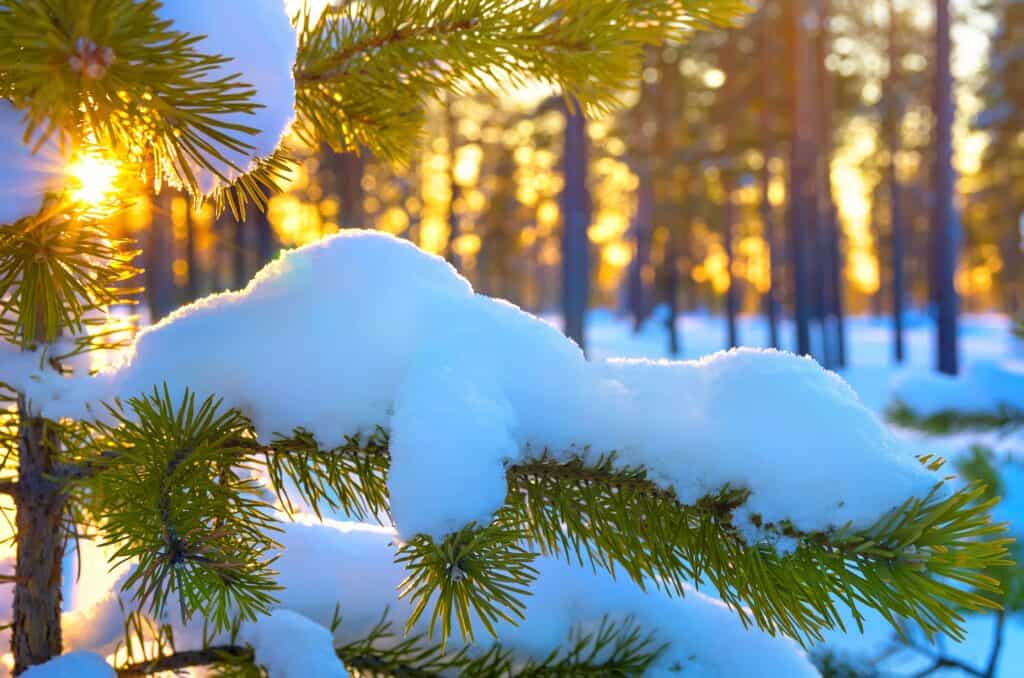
<point x="363" y="330"/>
<point x="72" y="665"/>
<point x="25" y="177"/>
<point x="352" y="565"/>
<point x="985" y="387"/>
<point x="259" y="38"/>
<point x="289" y="645"/>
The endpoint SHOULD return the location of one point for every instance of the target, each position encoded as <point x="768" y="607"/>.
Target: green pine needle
<point x="177" y="500"/>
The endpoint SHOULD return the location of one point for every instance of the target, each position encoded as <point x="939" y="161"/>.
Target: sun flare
<point x="93" y="179"/>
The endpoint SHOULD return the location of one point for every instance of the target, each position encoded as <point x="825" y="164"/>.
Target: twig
<point x="183" y="660"/>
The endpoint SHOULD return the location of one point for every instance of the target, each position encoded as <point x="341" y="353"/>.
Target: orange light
<point x="94" y="179"/>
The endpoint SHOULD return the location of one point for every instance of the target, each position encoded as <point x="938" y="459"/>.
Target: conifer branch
<point x="613" y="649"/>
<point x="176" y="499"/>
<point x="179" y="661"/>
<point x="952" y="421"/>
<point x="151" y="101"/>
<point x="913" y="563"/>
<point x="59" y="274"/>
<point x="365" y="71"/>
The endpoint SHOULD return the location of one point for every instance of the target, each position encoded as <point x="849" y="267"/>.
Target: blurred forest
<point x="806" y="164"/>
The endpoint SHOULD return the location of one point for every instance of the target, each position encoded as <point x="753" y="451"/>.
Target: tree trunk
<point x="454" y="230"/>
<point x="343" y="178"/>
<point x="642" y="226"/>
<point x="158" y="257"/>
<point x="833" y="320"/>
<point x="265" y="244"/>
<point x="240" y="252"/>
<point x="36" y="630"/>
<point x="575" y="222"/>
<point x="728" y="226"/>
<point x="892" y="129"/>
<point x="191" y="261"/>
<point x="945" y="226"/>
<point x="800" y="198"/>
<point x="671" y="277"/>
<point x="766" y="210"/>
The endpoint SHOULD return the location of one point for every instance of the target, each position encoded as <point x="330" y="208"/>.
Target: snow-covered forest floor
<point x="871" y="373"/>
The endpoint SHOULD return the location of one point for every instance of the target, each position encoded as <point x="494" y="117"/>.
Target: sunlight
<point x="94" y="179"/>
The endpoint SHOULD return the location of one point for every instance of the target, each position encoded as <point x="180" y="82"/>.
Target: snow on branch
<point x="343" y="577"/>
<point x="487" y="438"/>
<point x="989" y="395"/>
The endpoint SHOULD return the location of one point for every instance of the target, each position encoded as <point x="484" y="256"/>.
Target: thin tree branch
<point x="183" y="660"/>
<point x="997" y="645"/>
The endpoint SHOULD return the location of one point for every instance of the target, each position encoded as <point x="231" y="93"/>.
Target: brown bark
<point x="36" y="633"/>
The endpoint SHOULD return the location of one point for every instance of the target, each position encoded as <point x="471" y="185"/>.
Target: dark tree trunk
<point x="191" y="261"/>
<point x="731" y="294"/>
<point x="671" y="278"/>
<point x="833" y="320"/>
<point x="896" y="226"/>
<point x="158" y="258"/>
<point x="945" y="226"/>
<point x="36" y="630"/>
<point x="454" y="230"/>
<point x="801" y="199"/>
<point x="767" y="131"/>
<point x="265" y="240"/>
<point x="642" y="227"/>
<point x="576" y="220"/>
<point x="343" y="178"/>
<point x="240" y="255"/>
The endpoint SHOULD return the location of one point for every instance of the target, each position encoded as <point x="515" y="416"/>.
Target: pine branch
<point x="952" y="421"/>
<point x="178" y="661"/>
<point x="908" y="564"/>
<point x="59" y="273"/>
<point x="613" y="649"/>
<point x="926" y="560"/>
<point x="350" y="478"/>
<point x="146" y="96"/>
<point x="176" y="498"/>
<point x="365" y="71"/>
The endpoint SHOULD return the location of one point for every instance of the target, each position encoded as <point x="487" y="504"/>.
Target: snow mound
<point x="289" y="645"/>
<point x="72" y="665"/>
<point x="363" y="330"/>
<point x="259" y="38"/>
<point x="985" y="387"/>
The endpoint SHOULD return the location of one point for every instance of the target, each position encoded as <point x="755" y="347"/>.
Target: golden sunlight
<point x="94" y="179"/>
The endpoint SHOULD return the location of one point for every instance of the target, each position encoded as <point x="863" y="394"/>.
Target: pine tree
<point x="997" y="205"/>
<point x="166" y="479"/>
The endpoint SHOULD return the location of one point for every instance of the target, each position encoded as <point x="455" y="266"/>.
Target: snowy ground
<point x="870" y="372"/>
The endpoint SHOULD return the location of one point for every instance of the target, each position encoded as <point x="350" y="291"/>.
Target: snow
<point x="72" y="665"/>
<point x="349" y="568"/>
<point x="323" y="566"/>
<point x="985" y="387"/>
<point x="289" y="645"/>
<point x="25" y="176"/>
<point x="259" y="38"/>
<point x="363" y="330"/>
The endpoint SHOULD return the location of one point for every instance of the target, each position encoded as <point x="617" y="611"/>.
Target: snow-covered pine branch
<point x="342" y="576"/>
<point x="988" y="395"/>
<point x="487" y="438"/>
